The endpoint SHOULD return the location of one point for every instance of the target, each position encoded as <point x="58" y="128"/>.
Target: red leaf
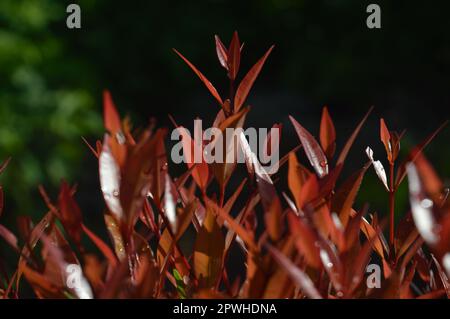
<point x="297" y="275"/>
<point x="70" y="213"/>
<point x="385" y="137"/>
<point x="269" y="197"/>
<point x="111" y="116"/>
<point x="401" y="172"/>
<point x="312" y="149"/>
<point x="101" y="245"/>
<point x="297" y="177"/>
<point x="222" y="52"/>
<point x="344" y="198"/>
<point x="348" y="145"/>
<point x="247" y="82"/>
<point x="199" y="170"/>
<point x="110" y="178"/>
<point x="327" y="134"/>
<point x="305" y="239"/>
<point x="234" y="56"/>
<point x="267" y="151"/>
<point x="205" y="81"/>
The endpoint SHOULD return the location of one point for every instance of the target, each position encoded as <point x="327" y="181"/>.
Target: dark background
<point x="51" y="78"/>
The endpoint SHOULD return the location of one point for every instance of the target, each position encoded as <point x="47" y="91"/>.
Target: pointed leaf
<point x="379" y="169"/>
<point x="344" y="198"/>
<point x="301" y="279"/>
<point x="110" y="179"/>
<point x="222" y="53"/>
<point x="111" y="116"/>
<point x="70" y="213"/>
<point x="385" y="137"/>
<point x="205" y="81"/>
<point x="248" y="81"/>
<point x="234" y="56"/>
<point x="327" y="134"/>
<point x="352" y="138"/>
<point x="312" y="149"/>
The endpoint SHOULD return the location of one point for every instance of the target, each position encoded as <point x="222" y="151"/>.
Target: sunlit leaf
<point x="312" y="149"/>
<point x="110" y="179"/>
<point x="297" y="275"/>
<point x="351" y="139"/>
<point x="208" y="251"/>
<point x="379" y="169"/>
<point x="234" y="56"/>
<point x="385" y="137"/>
<point x="247" y="82"/>
<point x="421" y="207"/>
<point x="205" y="81"/>
<point x="327" y="134"/>
<point x="222" y="52"/>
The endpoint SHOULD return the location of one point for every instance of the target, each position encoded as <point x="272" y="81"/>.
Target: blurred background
<point x="51" y="79"/>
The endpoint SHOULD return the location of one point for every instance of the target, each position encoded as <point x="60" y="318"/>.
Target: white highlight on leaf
<point x="420" y="207"/>
<point x="379" y="169"/>
<point x="252" y="161"/>
<point x="75" y="280"/>
<point x="169" y="205"/>
<point x="110" y="181"/>
<point x="446" y="263"/>
<point x="337" y="221"/>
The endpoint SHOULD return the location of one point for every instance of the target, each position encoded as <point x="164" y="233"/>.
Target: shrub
<point x="310" y="242"/>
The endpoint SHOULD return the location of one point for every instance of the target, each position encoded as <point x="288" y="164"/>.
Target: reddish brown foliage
<point x="315" y="243"/>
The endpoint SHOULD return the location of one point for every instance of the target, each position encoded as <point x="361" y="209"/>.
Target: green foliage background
<point x="45" y="105"/>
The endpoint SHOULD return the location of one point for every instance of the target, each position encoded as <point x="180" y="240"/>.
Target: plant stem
<point x="391" y="206"/>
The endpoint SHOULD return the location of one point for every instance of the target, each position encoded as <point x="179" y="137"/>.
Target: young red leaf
<point x="385" y="137"/>
<point x="305" y="239"/>
<point x="312" y="149"/>
<point x="271" y="142"/>
<point x="101" y="245"/>
<point x="352" y="138"/>
<point x="247" y="82"/>
<point x="344" y="198"/>
<point x="111" y="116"/>
<point x="70" y="213"/>
<point x="234" y="56"/>
<point x="222" y="52"/>
<point x="193" y="154"/>
<point x="205" y="81"/>
<point x="297" y="177"/>
<point x="327" y="134"/>
<point x="301" y="279"/>
<point x="401" y="172"/>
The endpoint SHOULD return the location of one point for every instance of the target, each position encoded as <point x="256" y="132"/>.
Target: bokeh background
<point x="51" y="78"/>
